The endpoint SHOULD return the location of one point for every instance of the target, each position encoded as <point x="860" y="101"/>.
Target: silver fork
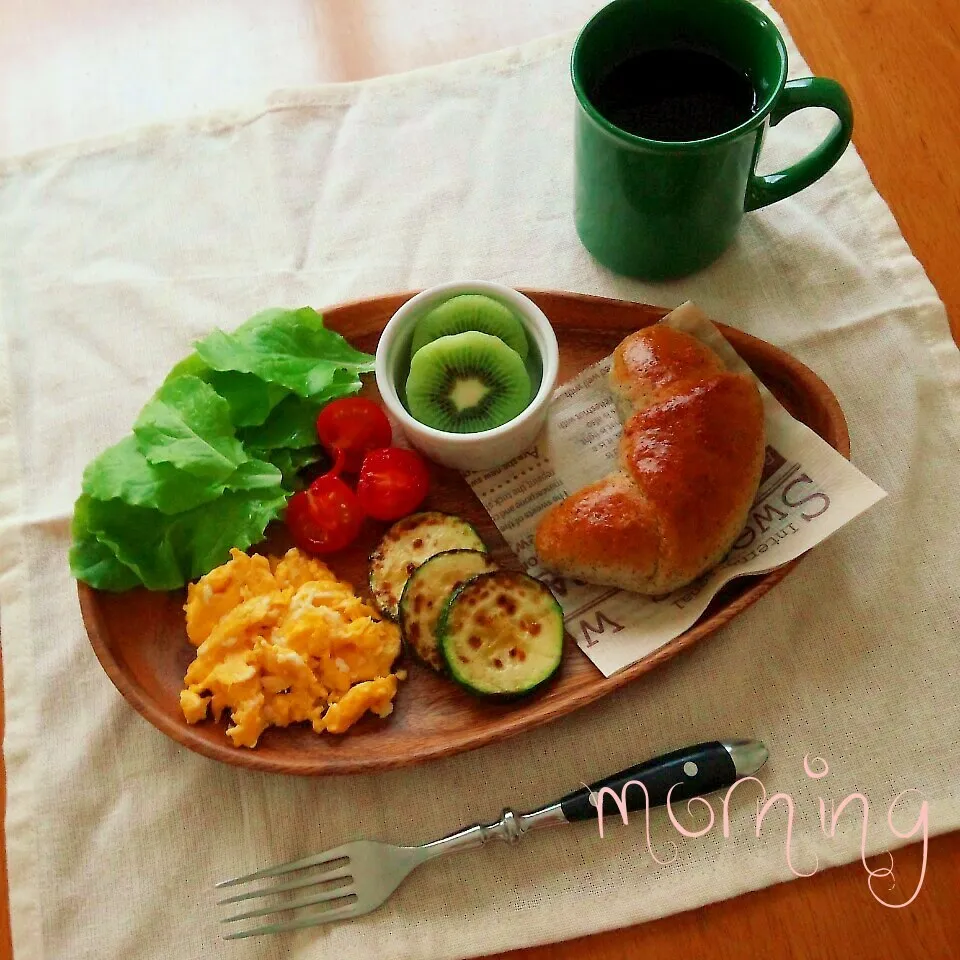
<point x="358" y="876"/>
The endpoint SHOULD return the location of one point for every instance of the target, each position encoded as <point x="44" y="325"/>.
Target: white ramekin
<point x="467" y="451"/>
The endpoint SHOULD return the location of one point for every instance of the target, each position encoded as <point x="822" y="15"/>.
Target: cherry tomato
<point x="326" y="517"/>
<point x="351" y="427"/>
<point x="393" y="482"/>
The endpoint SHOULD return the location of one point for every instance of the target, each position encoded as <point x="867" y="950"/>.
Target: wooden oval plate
<point x="140" y="640"/>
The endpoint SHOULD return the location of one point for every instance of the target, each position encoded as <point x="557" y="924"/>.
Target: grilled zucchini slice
<point x="425" y="594"/>
<point x="407" y="544"/>
<point x="501" y="634"/>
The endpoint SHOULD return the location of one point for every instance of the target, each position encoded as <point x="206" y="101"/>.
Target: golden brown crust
<point x="690" y="461"/>
<point x="696" y="459"/>
<point x="657" y="363"/>
<point x="605" y="530"/>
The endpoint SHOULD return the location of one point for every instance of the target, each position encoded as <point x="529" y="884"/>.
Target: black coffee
<point x="675" y="94"/>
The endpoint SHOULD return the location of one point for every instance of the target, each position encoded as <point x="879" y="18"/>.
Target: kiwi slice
<point x="466" y="383"/>
<point x="470" y="311"/>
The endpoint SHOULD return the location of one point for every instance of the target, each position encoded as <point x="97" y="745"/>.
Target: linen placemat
<point x="116" y="255"/>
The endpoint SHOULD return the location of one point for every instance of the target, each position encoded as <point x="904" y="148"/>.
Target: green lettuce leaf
<point x="94" y="562"/>
<point x="255" y="474"/>
<point x="250" y="398"/>
<point x="136" y="536"/>
<point x="292" y="425"/>
<point x="287" y="347"/>
<point x="163" y="551"/>
<point x="187" y="424"/>
<point x="213" y="455"/>
<point x="237" y="519"/>
<point x="189" y="366"/>
<point x="290" y="462"/>
<point x="122" y="472"/>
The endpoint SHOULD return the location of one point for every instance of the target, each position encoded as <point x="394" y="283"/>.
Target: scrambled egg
<point x="283" y="641"/>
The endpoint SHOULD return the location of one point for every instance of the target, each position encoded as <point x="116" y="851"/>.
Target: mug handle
<point x="797" y="94"/>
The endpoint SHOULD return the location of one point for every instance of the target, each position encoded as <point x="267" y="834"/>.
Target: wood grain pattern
<point x="140" y="640"/>
<point x="900" y="64"/>
<point x="829" y="916"/>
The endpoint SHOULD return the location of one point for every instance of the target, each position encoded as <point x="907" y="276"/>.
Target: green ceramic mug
<point x="656" y="209"/>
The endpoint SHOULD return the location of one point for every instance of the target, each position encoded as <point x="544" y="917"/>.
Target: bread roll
<point x="689" y="467"/>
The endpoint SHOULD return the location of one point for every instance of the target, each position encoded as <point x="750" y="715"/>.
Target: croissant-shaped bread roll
<point x="690" y="460"/>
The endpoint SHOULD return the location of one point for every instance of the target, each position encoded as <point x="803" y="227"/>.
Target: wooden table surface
<point x="900" y="63"/>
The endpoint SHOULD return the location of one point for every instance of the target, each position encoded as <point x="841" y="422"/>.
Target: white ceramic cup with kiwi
<point x="468" y="370"/>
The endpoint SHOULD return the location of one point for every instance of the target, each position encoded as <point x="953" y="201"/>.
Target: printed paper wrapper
<point x="807" y="492"/>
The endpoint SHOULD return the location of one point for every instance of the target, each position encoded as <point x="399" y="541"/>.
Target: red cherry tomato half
<point x="393" y="482"/>
<point x="326" y="517"/>
<point x="351" y="427"/>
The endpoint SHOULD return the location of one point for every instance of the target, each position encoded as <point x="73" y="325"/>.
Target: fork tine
<point x="318" y="859"/>
<point x="310" y="881"/>
<point x="312" y="920"/>
<point x="338" y="893"/>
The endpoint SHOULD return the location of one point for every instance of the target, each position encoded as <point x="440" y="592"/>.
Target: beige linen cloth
<point x="117" y="254"/>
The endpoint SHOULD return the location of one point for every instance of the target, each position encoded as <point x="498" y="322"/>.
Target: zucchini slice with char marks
<point x="407" y="544"/>
<point x="425" y="594"/>
<point x="501" y="634"/>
